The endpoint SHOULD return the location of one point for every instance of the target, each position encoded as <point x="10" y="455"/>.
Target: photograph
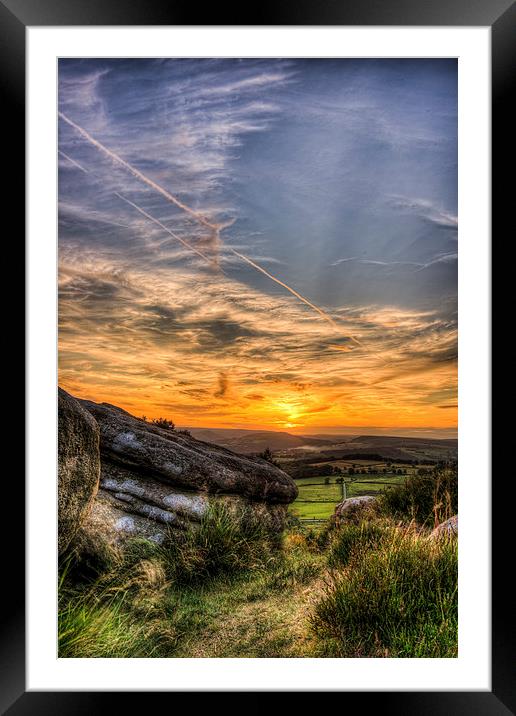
<point x="257" y="345"/>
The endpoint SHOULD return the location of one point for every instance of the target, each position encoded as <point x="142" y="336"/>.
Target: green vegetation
<point x="119" y="614"/>
<point x="224" y="542"/>
<point x="227" y="589"/>
<point x="395" y="595"/>
<point x="317" y="498"/>
<point x="313" y="510"/>
<point x="354" y="539"/>
<point x="428" y="498"/>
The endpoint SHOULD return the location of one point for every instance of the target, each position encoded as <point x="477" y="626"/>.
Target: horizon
<point x="355" y="431"/>
<point x="267" y="243"/>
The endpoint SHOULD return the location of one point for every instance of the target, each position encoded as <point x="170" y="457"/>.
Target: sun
<point x="289" y="412"/>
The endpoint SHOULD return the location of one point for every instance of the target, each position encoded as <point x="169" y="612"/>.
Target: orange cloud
<point x="155" y="343"/>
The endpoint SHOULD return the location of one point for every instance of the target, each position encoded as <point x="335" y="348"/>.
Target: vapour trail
<point x="215" y="228"/>
<point x="295" y="293"/>
<point x="72" y="161"/>
<point x="136" y="173"/>
<point x="165" y="228"/>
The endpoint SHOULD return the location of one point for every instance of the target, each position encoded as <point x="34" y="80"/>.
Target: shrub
<point x="429" y="499"/>
<point x="396" y="596"/>
<point x="164" y="423"/>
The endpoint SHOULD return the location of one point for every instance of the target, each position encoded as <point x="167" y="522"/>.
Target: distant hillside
<point x="388" y="447"/>
<point x="403" y="441"/>
<point x="394" y="448"/>
<point x="253" y="441"/>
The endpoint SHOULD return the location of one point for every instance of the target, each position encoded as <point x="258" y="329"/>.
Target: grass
<point x="119" y="615"/>
<point x="391" y="593"/>
<point x="192" y="595"/>
<point x="317" y="500"/>
<point x="227" y="589"/>
<point x="258" y="614"/>
<point x="313" y="510"/>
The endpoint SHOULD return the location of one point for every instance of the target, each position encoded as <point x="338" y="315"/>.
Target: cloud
<point x="223" y="386"/>
<point x="440" y="259"/>
<point x="370" y="262"/>
<point x="426" y="209"/>
<point x="145" y="321"/>
<point x="127" y="333"/>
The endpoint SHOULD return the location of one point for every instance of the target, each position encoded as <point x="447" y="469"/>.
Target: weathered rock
<point x="356" y="508"/>
<point x="447" y="529"/>
<point x="153" y="479"/>
<point x="78" y="466"/>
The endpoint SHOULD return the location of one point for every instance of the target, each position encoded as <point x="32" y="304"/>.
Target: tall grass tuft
<point x="117" y="615"/>
<point x="395" y="595"/>
<point x="93" y="625"/>
<point x="353" y="538"/>
<point x="224" y="542"/>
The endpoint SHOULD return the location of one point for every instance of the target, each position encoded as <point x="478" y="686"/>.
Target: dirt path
<point x="273" y="626"/>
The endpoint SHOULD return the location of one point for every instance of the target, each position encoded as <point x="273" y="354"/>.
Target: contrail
<point x="214" y="228"/>
<point x="135" y="172"/>
<point x="295" y="293"/>
<point x="72" y="161"/>
<point x="240" y="256"/>
<point x="165" y="228"/>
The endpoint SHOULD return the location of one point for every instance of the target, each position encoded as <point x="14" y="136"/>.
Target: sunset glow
<point x="318" y="292"/>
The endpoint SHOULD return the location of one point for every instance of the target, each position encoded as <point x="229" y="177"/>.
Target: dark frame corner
<point x="500" y="15"/>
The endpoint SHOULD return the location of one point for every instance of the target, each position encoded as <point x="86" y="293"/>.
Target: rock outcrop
<point x="78" y="466"/>
<point x="153" y="479"/>
<point x="355" y="508"/>
<point x="447" y="529"/>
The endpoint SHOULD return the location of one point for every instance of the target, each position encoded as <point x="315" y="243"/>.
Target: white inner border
<point x="471" y="670"/>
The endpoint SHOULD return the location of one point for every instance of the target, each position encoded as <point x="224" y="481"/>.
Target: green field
<point x="317" y="500"/>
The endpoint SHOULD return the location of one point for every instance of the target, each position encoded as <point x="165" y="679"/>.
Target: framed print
<point x="258" y="263"/>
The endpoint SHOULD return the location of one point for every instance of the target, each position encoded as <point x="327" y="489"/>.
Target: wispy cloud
<point x="426" y="209"/>
<point x="158" y="330"/>
<point x="334" y="292"/>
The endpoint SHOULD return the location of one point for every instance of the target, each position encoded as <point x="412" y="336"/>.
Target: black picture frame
<point x="500" y="16"/>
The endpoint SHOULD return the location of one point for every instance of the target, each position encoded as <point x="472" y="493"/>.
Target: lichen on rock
<point x="78" y="466"/>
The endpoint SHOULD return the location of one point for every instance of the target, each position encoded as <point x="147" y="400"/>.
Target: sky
<point x="261" y="243"/>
